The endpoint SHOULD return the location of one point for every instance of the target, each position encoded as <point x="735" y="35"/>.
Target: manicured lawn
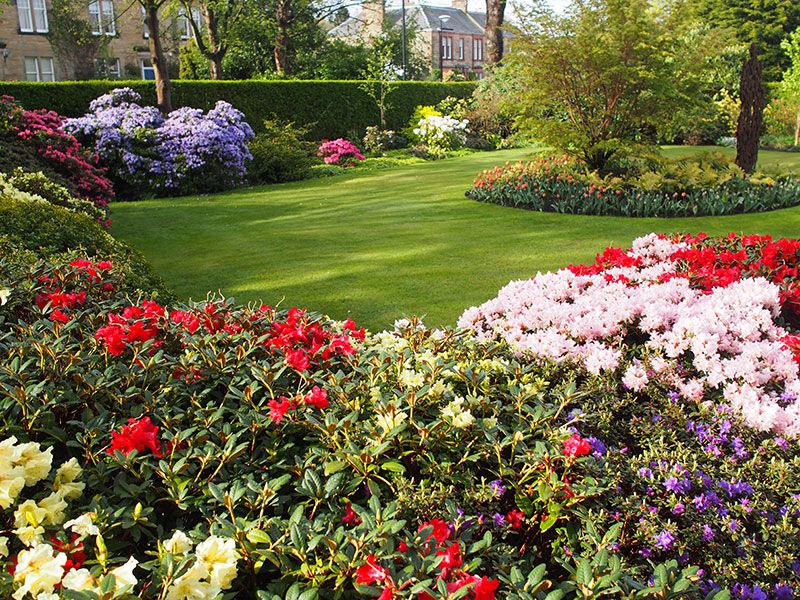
<point x="381" y="245"/>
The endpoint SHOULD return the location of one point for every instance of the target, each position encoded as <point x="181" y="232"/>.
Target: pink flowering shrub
<point x="657" y="313"/>
<point x="339" y="152"/>
<point x="39" y="132"/>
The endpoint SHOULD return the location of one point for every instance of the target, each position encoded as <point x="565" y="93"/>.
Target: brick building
<point x="448" y="36"/>
<point x="26" y="52"/>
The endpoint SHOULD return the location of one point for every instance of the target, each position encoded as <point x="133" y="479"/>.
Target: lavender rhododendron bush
<point x="188" y="450"/>
<point x="704" y="185"/>
<point x="183" y="152"/>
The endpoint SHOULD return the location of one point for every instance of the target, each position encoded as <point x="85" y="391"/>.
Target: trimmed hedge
<point x="329" y="108"/>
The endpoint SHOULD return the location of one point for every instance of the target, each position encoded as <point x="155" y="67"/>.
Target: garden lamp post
<point x="403" y="34"/>
<point x="442" y="20"/>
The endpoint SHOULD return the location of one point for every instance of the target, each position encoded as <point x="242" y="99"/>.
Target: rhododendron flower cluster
<point x="712" y="315"/>
<point x="440" y="133"/>
<point x="451" y="567"/>
<point x="134" y="324"/>
<point x="339" y="152"/>
<point x="139" y="434"/>
<point x="61" y="151"/>
<point x="185" y="151"/>
<point x="60" y="304"/>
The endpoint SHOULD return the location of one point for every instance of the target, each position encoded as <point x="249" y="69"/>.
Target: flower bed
<point x="687" y="188"/>
<point x="339" y="152"/>
<point x="186" y="151"/>
<point x="250" y="449"/>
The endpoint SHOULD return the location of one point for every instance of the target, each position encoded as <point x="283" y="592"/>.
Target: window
<point x="101" y="17"/>
<point x="39" y="69"/>
<point x="460" y="48"/>
<point x="477" y="49"/>
<point x="107" y="68"/>
<point x="145" y="30"/>
<point x="184" y="23"/>
<point x="148" y="72"/>
<point x="447" y="47"/>
<point x="32" y="16"/>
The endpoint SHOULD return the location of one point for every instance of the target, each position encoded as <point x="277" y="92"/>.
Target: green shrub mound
<point x="38" y="184"/>
<point x="330" y="109"/>
<point x="280" y="153"/>
<point x="440" y="459"/>
<point x="31" y="226"/>
<point x="651" y="187"/>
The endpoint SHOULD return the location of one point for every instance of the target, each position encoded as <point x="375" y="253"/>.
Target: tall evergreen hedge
<point x="329" y="108"/>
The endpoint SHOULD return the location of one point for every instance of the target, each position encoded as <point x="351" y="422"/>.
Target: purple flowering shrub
<point x="186" y="151"/>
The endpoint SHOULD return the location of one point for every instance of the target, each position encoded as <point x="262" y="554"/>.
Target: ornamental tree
<point x="790" y="86"/>
<point x="596" y="79"/>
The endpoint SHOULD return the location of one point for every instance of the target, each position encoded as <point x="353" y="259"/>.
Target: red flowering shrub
<point x="138" y="434"/>
<point x="59" y="152"/>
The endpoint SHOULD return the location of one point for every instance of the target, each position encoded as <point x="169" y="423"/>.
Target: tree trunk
<point x="495" y="16"/>
<point x="797" y="130"/>
<point x="216" y="50"/>
<point x="158" y="58"/>
<point x="281" y="46"/>
<point x="748" y="129"/>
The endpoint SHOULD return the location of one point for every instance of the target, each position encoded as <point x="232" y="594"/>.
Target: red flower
<point x="371" y="572"/>
<point x="350" y="517"/>
<point x="484" y="588"/>
<point x="387" y="593"/>
<point x="514" y="518"/>
<point x="59" y="316"/>
<point x="113" y="336"/>
<point x="441" y="530"/>
<point x="576" y="446"/>
<point x="317" y="397"/>
<point x="297" y="359"/>
<point x="278" y="409"/>
<point x="451" y="559"/>
<point x="190" y="322"/>
<point x="139" y="434"/>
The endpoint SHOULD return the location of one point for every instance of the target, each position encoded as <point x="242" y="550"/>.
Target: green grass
<point x="379" y="246"/>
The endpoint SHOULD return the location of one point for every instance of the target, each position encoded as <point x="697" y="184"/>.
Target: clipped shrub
<point x="185" y="152"/>
<point x="40" y="185"/>
<point x="31" y="227"/>
<point x="339" y="152"/>
<point x="377" y="140"/>
<point x="280" y="153"/>
<point x="35" y="141"/>
<point x="330" y="109"/>
<point x="651" y="187"/>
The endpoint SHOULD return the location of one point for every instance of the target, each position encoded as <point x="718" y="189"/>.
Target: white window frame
<point x="111" y="67"/>
<point x="477" y="49"/>
<point x="32" y="16"/>
<point x="184" y="23"/>
<point x="447" y="47"/>
<point x="460" y="48"/>
<point x="105" y="21"/>
<point x="38" y="73"/>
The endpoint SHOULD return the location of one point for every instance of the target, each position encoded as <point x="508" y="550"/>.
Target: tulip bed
<point x="590" y="432"/>
<point x="689" y="187"/>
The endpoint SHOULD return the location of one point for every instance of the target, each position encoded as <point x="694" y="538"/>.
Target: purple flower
<point x="664" y="540"/>
<point x="783" y="592"/>
<point x="499" y="520"/>
<point x="498" y="488"/>
<point x="708" y="533"/>
<point x="678" y="486"/>
<point x="598" y="447"/>
<point x="679" y="508"/>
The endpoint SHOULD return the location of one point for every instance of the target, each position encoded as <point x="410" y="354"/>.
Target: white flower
<point x="79" y="580"/>
<point x="38" y="571"/>
<point x="66" y="480"/>
<point x="217" y="557"/>
<point x="3" y="547"/>
<point x="186" y="587"/>
<point x="54" y="506"/>
<point x="411" y="379"/>
<point x="83" y="525"/>
<point x="458" y="416"/>
<point x="35" y="462"/>
<point x="123" y="575"/>
<point x="4" y="295"/>
<point x="179" y="543"/>
<point x="388" y="421"/>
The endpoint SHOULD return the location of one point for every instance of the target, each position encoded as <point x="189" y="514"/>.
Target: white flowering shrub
<point x="439" y="134"/>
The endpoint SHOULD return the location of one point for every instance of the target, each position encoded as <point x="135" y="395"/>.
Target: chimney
<point x="373" y="13"/>
<point x="459" y="5"/>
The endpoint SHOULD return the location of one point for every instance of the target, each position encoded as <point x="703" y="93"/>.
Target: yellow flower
<point x="38" y="570"/>
<point x="66" y="480"/>
<point x="12" y="480"/>
<point x="79" y="580"/>
<point x="190" y="588"/>
<point x="4" y="295"/>
<point x="30" y="535"/>
<point x="3" y="547"/>
<point x="83" y="525"/>
<point x="123" y="575"/>
<point x="179" y="543"/>
<point x="29" y="513"/>
<point x="53" y="506"/>
<point x="412" y="379"/>
<point x="457" y="415"/>
<point x="36" y="463"/>
<point x="217" y="557"/>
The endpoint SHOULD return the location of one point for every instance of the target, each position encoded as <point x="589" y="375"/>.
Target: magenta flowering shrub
<point x="40" y="133"/>
<point x="187" y="151"/>
<point x="340" y="152"/>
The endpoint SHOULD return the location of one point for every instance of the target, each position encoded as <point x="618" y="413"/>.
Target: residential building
<point x="27" y="54"/>
<point x="451" y="37"/>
